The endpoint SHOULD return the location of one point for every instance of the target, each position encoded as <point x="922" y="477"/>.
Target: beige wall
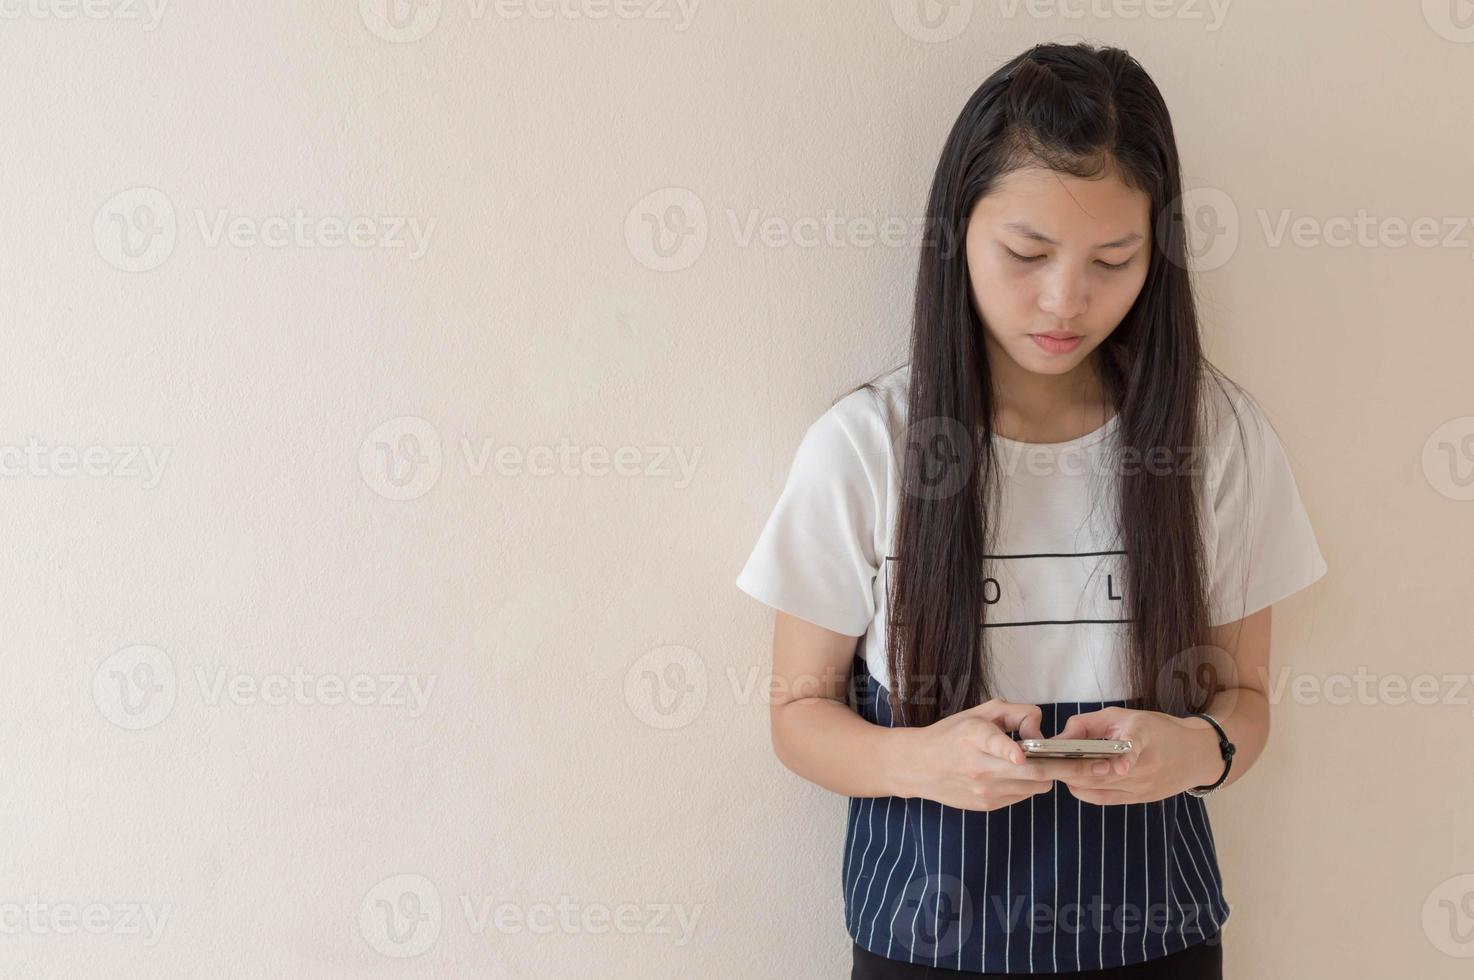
<point x="197" y="503"/>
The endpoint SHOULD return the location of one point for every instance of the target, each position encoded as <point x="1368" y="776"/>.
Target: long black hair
<point x="1083" y="111"/>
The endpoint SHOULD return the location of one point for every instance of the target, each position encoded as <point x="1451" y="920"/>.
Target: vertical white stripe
<point x="1191" y="824"/>
<point x="1125" y="869"/>
<point x="900" y="847"/>
<point x="962" y="877"/>
<point x="1166" y="882"/>
<point x="869" y="837"/>
<point x="1208" y="826"/>
<point x="1181" y="875"/>
<point x="849" y="860"/>
<point x="1101" y="951"/>
<point x="916" y="854"/>
<point x="920" y="850"/>
<point x="1213" y="846"/>
<point x="936" y="925"/>
<point x="866" y="904"/>
<point x="1207" y="891"/>
<point x="987" y="898"/>
<point x="1033" y="854"/>
<point x="1008" y="897"/>
<point x="1054" y="801"/>
<point x="1222" y="896"/>
<point x="1146" y="872"/>
<point x="1079" y="871"/>
<point x="1198" y="903"/>
<point x="1182" y="915"/>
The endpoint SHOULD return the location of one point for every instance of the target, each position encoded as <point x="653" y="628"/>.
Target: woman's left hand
<point x="1168" y="755"/>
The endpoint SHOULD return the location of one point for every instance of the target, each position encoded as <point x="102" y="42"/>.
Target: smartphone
<point x="1074" y="748"/>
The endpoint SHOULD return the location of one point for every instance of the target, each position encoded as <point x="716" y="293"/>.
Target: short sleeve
<point x="816" y="556"/>
<point x="1266" y="548"/>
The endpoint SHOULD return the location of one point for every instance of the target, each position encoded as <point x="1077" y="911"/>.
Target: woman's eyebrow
<point x="1028" y="232"/>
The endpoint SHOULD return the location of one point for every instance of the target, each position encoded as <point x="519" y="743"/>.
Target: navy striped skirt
<point x="1050" y="884"/>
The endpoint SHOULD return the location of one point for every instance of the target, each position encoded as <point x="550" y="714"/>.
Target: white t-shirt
<point x="1056" y="600"/>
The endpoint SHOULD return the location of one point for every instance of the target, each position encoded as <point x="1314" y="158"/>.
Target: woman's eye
<point x="1029" y="259"/>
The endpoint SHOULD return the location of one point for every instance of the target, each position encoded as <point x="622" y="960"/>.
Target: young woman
<point x="1056" y="520"/>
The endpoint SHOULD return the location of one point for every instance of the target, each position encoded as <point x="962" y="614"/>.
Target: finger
<point x="1105" y="768"/>
<point x="1029" y="770"/>
<point x="999" y="745"/>
<point x="1021" y="788"/>
<point x="1091" y="724"/>
<point x="1063" y="769"/>
<point x="1100" y="797"/>
<point x="1075" y="727"/>
<point x="1086" y="773"/>
<point x="1023" y="718"/>
<point x="1095" y="784"/>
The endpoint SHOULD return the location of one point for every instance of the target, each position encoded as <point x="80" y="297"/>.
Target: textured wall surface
<point x="391" y="393"/>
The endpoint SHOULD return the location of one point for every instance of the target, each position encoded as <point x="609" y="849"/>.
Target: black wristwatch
<point x="1224" y="746"/>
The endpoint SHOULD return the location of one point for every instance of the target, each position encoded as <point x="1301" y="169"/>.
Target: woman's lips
<point x="1056" y="345"/>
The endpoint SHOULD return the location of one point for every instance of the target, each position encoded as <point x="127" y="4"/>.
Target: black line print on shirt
<point x="1054" y="588"/>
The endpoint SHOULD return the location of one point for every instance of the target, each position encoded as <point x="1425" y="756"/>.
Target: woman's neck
<point x="1032" y="407"/>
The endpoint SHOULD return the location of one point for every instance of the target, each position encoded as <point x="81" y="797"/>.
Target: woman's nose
<point x="1065" y="297"/>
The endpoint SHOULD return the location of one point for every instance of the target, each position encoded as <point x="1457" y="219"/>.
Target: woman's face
<point x="1052" y="253"/>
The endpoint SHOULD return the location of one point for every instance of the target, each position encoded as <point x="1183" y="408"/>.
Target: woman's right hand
<point x="968" y="761"/>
